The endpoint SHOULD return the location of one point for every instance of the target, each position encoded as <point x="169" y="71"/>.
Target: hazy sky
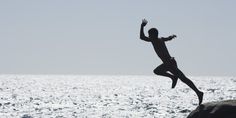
<point x="102" y="36"/>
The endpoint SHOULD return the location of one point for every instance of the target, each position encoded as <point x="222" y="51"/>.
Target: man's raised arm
<point x="168" y="38"/>
<point x="142" y="35"/>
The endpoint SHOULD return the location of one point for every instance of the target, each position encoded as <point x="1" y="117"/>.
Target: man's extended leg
<point x="187" y="81"/>
<point x="161" y="70"/>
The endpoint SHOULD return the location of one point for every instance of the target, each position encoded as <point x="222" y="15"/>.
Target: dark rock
<point x="220" y="109"/>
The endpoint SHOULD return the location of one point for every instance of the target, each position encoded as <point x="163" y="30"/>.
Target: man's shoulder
<point x="161" y="39"/>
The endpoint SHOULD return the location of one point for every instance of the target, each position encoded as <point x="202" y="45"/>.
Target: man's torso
<point x="161" y="49"/>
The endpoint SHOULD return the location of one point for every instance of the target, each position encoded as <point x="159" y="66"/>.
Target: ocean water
<point x="76" y="96"/>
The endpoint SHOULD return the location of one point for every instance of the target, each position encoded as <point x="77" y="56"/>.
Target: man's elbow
<point x="140" y="37"/>
<point x="143" y="38"/>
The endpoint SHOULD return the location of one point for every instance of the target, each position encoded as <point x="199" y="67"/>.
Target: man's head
<point x="153" y="33"/>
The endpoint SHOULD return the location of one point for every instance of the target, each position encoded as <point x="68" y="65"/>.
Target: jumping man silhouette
<point x="169" y="64"/>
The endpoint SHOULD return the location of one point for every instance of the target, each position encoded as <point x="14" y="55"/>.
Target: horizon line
<point x="11" y="74"/>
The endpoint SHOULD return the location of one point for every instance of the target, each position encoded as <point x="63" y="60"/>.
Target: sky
<point x="102" y="36"/>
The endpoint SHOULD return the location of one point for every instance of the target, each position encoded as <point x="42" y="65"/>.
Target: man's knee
<point x="158" y="71"/>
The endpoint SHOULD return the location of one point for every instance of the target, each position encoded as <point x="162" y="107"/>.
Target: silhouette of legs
<point x="162" y="70"/>
<point x="187" y="81"/>
<point x="171" y="66"/>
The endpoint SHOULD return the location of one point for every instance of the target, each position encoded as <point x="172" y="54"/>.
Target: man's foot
<point x="200" y="97"/>
<point x="174" y="82"/>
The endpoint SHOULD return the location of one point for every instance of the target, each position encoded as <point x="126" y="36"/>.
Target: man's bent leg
<point x="161" y="70"/>
<point x="187" y="81"/>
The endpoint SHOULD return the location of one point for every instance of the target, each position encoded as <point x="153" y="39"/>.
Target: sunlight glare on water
<point x="106" y="96"/>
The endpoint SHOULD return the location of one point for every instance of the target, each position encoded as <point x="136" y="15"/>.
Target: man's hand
<point x="173" y="36"/>
<point x="144" y="22"/>
<point x="168" y="38"/>
<point x="142" y="35"/>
